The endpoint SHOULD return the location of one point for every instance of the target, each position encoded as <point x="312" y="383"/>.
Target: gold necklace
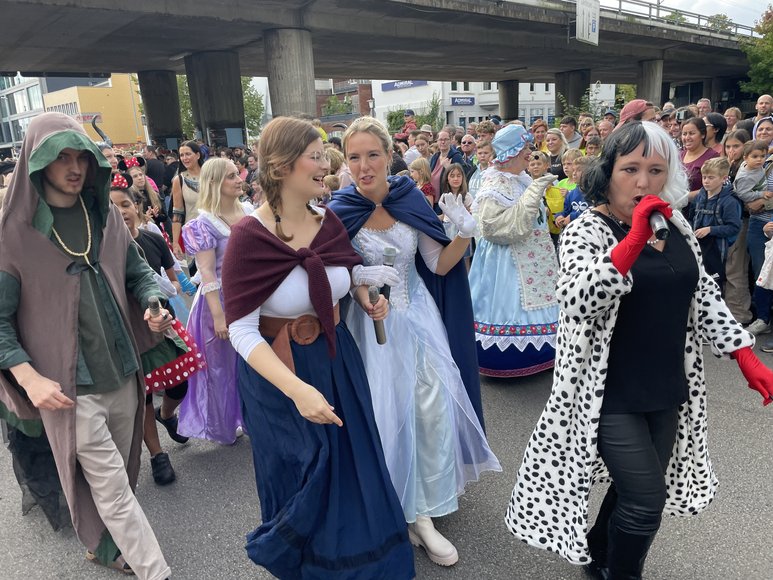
<point x="85" y="254"/>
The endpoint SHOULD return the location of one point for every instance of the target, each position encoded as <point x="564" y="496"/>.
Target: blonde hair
<point x="374" y="127"/>
<point x="211" y="180"/>
<point x="421" y="166"/>
<point x="336" y="159"/>
<point x="148" y="192"/>
<point x="560" y="135"/>
<point x="282" y="142"/>
<point x="716" y="166"/>
<point x="333" y="182"/>
<point x="571" y="155"/>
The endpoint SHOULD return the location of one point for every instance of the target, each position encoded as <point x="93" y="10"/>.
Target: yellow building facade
<point x="116" y="101"/>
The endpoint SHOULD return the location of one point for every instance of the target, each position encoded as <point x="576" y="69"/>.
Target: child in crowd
<point x="330" y="183"/>
<point x="421" y="174"/>
<point x="453" y="181"/>
<point x="567" y="160"/>
<point x="574" y="203"/>
<point x="484" y="153"/>
<point x="716" y="217"/>
<point x="750" y="181"/>
<point x="593" y="146"/>
<point x="539" y="164"/>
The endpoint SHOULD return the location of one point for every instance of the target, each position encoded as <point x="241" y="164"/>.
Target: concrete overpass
<point x="292" y="41"/>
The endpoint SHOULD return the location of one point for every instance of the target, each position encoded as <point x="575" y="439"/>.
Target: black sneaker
<point x="767" y="347"/>
<point x="163" y="474"/>
<point x="171" y="426"/>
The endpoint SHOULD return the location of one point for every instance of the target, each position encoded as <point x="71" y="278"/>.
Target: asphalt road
<point x="202" y="518"/>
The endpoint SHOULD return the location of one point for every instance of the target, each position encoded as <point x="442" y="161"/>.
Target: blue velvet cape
<point x="406" y="203"/>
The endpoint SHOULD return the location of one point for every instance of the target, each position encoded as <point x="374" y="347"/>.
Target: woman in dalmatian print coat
<point x="629" y="393"/>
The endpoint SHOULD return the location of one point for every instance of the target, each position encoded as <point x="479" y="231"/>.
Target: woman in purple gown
<point x="211" y="409"/>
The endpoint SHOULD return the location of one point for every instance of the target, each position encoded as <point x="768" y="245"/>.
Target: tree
<point x="186" y="111"/>
<point x="334" y="106"/>
<point x="676" y="17"/>
<point x="395" y="119"/>
<point x="589" y="102"/>
<point x="433" y="115"/>
<point x="720" y="23"/>
<point x="253" y="107"/>
<point x="759" y="51"/>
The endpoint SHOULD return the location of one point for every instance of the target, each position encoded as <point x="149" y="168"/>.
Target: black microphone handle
<point x="385" y="290"/>
<point x="378" y="325"/>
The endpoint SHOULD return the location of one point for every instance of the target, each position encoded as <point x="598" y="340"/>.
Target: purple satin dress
<point x="211" y="409"/>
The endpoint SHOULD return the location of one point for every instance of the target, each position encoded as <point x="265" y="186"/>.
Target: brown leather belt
<point x="302" y="330"/>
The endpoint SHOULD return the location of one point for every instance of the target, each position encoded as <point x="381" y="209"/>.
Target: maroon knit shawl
<point x="256" y="262"/>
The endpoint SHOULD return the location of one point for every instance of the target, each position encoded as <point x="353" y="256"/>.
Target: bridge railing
<point x="641" y="9"/>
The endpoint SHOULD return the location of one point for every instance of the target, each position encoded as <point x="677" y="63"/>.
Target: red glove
<point x="625" y="253"/>
<point x="759" y="376"/>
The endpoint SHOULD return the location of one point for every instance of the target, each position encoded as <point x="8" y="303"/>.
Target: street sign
<point x="588" y="21"/>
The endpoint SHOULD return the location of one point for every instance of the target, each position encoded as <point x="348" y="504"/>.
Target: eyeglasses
<point x="468" y="142"/>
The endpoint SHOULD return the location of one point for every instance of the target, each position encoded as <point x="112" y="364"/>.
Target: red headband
<point x="119" y="182"/>
<point x="132" y="162"/>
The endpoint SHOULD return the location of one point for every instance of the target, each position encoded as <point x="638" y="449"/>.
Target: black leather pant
<point x="636" y="448"/>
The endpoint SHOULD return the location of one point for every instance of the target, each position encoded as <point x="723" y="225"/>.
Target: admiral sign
<point x="397" y="85"/>
<point x="462" y="101"/>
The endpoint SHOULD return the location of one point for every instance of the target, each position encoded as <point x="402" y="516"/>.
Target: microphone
<point x="378" y="325"/>
<point x="155" y="307"/>
<point x="389" y="256"/>
<point x="659" y="225"/>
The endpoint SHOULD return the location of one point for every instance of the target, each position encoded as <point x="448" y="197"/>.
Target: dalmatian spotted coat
<point x="549" y="505"/>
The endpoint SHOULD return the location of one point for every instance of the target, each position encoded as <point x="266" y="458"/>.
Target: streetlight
<point x="372" y="105"/>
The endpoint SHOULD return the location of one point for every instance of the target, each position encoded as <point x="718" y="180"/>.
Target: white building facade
<point x="463" y="103"/>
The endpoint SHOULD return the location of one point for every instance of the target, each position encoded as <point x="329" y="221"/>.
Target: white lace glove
<point x="542" y="183"/>
<point x="453" y="208"/>
<point x="375" y="276"/>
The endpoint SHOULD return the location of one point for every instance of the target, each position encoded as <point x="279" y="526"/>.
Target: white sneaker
<point x="759" y="327"/>
<point x="438" y="548"/>
<point x="239" y="432"/>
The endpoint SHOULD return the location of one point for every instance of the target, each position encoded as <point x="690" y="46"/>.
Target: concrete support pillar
<point x="508" y="100"/>
<point x="214" y="83"/>
<point x="290" y="66"/>
<point x="161" y="104"/>
<point x="572" y="85"/>
<point x="649" y="81"/>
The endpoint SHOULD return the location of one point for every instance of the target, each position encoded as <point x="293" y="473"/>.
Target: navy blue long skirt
<point x="328" y="507"/>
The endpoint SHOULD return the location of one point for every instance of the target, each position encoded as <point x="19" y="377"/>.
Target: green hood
<point x="47" y="135"/>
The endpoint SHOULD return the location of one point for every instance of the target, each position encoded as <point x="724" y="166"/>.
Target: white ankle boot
<point x="438" y="548"/>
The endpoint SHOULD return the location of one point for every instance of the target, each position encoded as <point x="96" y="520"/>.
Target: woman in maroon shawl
<point x="327" y="503"/>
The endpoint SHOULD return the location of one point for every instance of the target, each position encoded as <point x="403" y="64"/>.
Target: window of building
<point x="467" y="87"/>
<point x="531" y="87"/>
<point x="16" y="133"/>
<point x="454" y="85"/>
<point x="20" y="99"/>
<point x="486" y="86"/>
<point x="35" y="98"/>
<point x="547" y="87"/>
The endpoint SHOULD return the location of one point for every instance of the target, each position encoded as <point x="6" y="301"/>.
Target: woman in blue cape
<point x="424" y="381"/>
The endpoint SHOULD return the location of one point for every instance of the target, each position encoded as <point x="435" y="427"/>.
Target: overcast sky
<point x="740" y="11"/>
